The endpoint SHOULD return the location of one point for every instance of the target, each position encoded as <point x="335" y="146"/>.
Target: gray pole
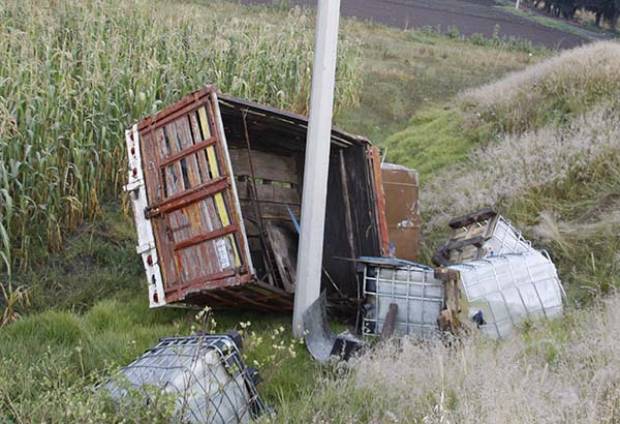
<point x="314" y="195"/>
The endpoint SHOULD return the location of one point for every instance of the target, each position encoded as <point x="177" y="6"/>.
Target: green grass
<point x="435" y="139"/>
<point x="48" y="354"/>
<point x="551" y="93"/>
<point x="89" y="315"/>
<point x="564" y="197"/>
<point x="406" y="72"/>
<point x="88" y="310"/>
<point x="585" y="245"/>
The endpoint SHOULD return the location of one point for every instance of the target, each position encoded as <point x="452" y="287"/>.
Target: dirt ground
<point x="469" y="16"/>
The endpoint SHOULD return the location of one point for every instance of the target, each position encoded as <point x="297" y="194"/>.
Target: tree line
<point x="604" y="10"/>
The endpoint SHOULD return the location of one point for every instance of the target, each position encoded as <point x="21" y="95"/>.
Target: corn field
<point x="74" y="74"/>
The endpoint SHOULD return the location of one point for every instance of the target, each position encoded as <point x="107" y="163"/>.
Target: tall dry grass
<point x="552" y="91"/>
<point x="74" y="74"/>
<point x="516" y="164"/>
<point x="559" y="372"/>
<point x="553" y="166"/>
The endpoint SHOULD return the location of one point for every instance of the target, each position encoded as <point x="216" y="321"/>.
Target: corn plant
<point x="75" y="73"/>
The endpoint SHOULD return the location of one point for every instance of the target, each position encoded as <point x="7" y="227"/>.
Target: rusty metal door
<point x="193" y="203"/>
<point x="400" y="186"/>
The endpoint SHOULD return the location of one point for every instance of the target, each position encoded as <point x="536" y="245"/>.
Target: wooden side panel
<point x="190" y="186"/>
<point x="267" y="166"/>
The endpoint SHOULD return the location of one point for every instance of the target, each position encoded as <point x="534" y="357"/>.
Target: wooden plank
<point x="150" y="169"/>
<point x="150" y="145"/>
<point x="180" y="228"/>
<point x="172" y="175"/>
<point x="200" y="238"/>
<point x="206" y="133"/>
<point x="270" y="193"/>
<point x="220" y="205"/>
<point x="202" y="257"/>
<point x="209" y="217"/>
<point x="268" y="166"/>
<point x="188" y="261"/>
<point x="271" y="210"/>
<point x="283" y="243"/>
<point x="201" y="156"/>
<point x="186" y="142"/>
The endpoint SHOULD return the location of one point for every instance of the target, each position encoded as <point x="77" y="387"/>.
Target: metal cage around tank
<point x="412" y="287"/>
<point x="204" y="375"/>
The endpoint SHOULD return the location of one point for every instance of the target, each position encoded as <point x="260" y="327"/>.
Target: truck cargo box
<point x="215" y="184"/>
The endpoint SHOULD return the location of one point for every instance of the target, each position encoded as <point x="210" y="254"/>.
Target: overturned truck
<point x="215" y="184"/>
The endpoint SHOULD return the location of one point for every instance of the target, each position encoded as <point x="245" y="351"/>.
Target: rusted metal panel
<point x="400" y="185"/>
<point x="222" y="178"/>
<point x="380" y="199"/>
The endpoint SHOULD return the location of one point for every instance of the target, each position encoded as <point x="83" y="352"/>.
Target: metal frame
<point x="532" y="280"/>
<point x="373" y="325"/>
<point x="218" y="389"/>
<point x="146" y="240"/>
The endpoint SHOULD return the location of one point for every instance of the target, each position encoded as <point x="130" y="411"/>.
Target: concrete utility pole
<point x="314" y="195"/>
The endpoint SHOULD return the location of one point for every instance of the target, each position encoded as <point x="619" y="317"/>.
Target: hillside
<point x="68" y="246"/>
<point x="541" y="145"/>
<point x="550" y="163"/>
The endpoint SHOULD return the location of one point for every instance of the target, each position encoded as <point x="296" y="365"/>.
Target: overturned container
<point x="204" y="375"/>
<point x="494" y="294"/>
<point x="490" y="277"/>
<point x="216" y="183"/>
<point x="479" y="235"/>
<point x="500" y="292"/>
<point x="409" y="290"/>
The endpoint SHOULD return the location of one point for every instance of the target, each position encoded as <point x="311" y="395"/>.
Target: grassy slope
<point x="552" y="167"/>
<point x="405" y="72"/>
<point x="551" y="164"/>
<point x="64" y="351"/>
